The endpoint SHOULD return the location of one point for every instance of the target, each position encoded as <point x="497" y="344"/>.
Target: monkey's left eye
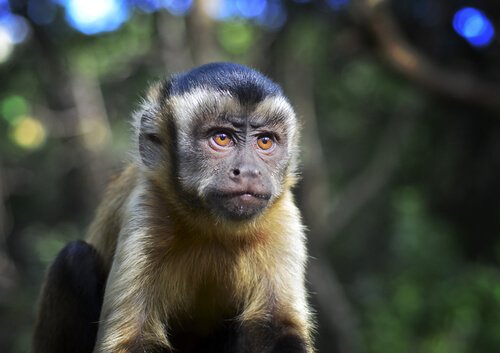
<point x="265" y="142"/>
<point x="221" y="139"/>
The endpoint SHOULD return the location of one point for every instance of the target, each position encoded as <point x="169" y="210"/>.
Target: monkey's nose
<point x="244" y="172"/>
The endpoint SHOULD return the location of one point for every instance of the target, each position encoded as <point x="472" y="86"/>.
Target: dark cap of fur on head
<point x="240" y="81"/>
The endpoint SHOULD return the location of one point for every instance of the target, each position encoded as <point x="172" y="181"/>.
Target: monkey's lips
<point x="240" y="204"/>
<point x="248" y="197"/>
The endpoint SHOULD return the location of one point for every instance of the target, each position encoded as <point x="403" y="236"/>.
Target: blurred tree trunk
<point x="173" y="42"/>
<point x="187" y="41"/>
<point x="201" y="33"/>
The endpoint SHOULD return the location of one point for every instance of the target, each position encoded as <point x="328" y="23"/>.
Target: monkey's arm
<point x="130" y="317"/>
<point x="281" y="326"/>
<point x="72" y="295"/>
<point x="277" y="318"/>
<point x="71" y="301"/>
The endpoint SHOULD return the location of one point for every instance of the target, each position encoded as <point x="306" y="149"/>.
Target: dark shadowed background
<point x="401" y="147"/>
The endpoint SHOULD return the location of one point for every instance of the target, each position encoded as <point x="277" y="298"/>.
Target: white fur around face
<point x="202" y="101"/>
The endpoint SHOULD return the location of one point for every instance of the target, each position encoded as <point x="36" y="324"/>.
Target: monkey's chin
<point x="239" y="206"/>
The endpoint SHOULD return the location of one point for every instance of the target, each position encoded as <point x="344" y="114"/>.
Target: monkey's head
<point x="222" y="136"/>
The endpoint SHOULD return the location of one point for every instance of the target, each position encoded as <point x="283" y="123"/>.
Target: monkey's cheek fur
<point x="238" y="206"/>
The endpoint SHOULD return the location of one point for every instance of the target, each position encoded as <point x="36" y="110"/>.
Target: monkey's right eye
<point x="221" y="139"/>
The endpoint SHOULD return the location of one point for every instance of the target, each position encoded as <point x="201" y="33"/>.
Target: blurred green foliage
<point x="236" y="37"/>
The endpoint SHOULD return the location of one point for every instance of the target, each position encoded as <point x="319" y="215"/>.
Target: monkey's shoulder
<point x="105" y="228"/>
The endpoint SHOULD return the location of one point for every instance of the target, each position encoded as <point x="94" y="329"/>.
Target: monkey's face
<point x="233" y="157"/>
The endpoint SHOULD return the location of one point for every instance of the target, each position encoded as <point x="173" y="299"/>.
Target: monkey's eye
<point x="221" y="139"/>
<point x="265" y="142"/>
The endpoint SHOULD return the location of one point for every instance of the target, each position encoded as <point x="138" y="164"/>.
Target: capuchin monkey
<point x="198" y="245"/>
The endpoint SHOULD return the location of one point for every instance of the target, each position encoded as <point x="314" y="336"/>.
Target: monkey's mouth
<point x="246" y="195"/>
<point x="239" y="205"/>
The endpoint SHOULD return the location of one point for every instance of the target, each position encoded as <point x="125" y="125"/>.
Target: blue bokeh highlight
<point x="41" y="12"/>
<point x="270" y="14"/>
<point x="92" y="17"/>
<point x="251" y="9"/>
<point x="148" y="6"/>
<point x="96" y="16"/>
<point x="274" y="17"/>
<point x="4" y="7"/>
<point x="473" y="25"/>
<point x="16" y="27"/>
<point x="337" y="4"/>
<point x="177" y="7"/>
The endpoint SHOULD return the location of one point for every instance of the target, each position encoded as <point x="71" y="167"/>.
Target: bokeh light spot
<point x="337" y="4"/>
<point x="274" y="17"/>
<point x="96" y="135"/>
<point x="270" y="14"/>
<point x="16" y="27"/>
<point x="251" y="8"/>
<point x="6" y="45"/>
<point x="221" y="10"/>
<point x="13" y="107"/>
<point x="473" y="25"/>
<point x="148" y="6"/>
<point x="95" y="16"/>
<point x="4" y="7"/>
<point x="42" y="12"/>
<point x="177" y="7"/>
<point x="28" y="133"/>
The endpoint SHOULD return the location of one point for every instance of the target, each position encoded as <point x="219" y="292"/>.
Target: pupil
<point x="222" y="137"/>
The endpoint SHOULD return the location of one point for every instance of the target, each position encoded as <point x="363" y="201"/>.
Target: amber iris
<point x="222" y="139"/>
<point x="265" y="142"/>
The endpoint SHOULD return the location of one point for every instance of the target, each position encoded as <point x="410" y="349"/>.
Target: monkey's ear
<point x="152" y="125"/>
<point x="150" y="148"/>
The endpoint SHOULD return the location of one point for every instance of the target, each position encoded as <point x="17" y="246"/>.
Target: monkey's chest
<point x="211" y="304"/>
<point x="205" y="315"/>
<point x="202" y="298"/>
